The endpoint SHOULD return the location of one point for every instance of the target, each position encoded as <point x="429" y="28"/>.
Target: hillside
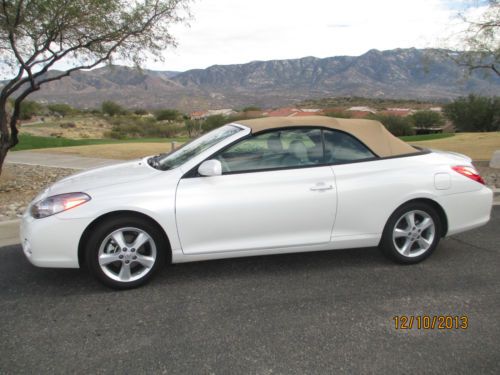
<point x="399" y="73"/>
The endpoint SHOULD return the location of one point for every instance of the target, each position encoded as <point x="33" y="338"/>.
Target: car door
<point x="274" y="192"/>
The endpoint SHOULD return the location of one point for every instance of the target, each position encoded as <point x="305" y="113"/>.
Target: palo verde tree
<point x="480" y="40"/>
<point x="37" y="35"/>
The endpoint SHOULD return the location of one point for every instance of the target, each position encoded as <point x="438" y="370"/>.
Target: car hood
<point x="100" y="177"/>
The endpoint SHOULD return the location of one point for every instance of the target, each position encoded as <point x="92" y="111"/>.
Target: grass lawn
<point x="426" y="137"/>
<point x="123" y="151"/>
<point x="28" y="142"/>
<point x="478" y="146"/>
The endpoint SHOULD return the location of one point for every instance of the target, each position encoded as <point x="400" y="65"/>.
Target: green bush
<point x="61" y="109"/>
<point x="193" y="127"/>
<point x="475" y="113"/>
<point x="133" y="127"/>
<point x="213" y="122"/>
<point x="167" y="115"/>
<point x="337" y="113"/>
<point x="29" y="109"/>
<point x="251" y="108"/>
<point x="112" y="109"/>
<point x="397" y="125"/>
<point x="140" y="112"/>
<point x="427" y="119"/>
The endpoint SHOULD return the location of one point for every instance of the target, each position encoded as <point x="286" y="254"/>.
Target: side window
<point x="273" y="150"/>
<point x="341" y="148"/>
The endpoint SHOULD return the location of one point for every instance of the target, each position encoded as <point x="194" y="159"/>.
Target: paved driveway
<point x="314" y="313"/>
<point x="47" y="159"/>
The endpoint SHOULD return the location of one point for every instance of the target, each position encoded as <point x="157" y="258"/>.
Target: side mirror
<point x="210" y="168"/>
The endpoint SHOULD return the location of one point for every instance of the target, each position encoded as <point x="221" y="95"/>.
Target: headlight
<point x="57" y="203"/>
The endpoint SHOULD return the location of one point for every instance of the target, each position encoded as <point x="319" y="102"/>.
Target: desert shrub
<point x="140" y="112"/>
<point x="193" y="127"/>
<point x="213" y="122"/>
<point x="112" y="109"/>
<point x="251" y="108"/>
<point x="474" y="113"/>
<point x="29" y="109"/>
<point x="397" y="125"/>
<point x="67" y="125"/>
<point x="338" y="113"/>
<point x="61" y="109"/>
<point x="133" y="127"/>
<point x="427" y="119"/>
<point x="167" y="115"/>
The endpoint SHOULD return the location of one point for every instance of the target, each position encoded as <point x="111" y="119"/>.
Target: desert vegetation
<point x="60" y="125"/>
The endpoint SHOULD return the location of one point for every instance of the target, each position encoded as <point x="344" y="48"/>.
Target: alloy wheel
<point x="127" y="254"/>
<point x="414" y="233"/>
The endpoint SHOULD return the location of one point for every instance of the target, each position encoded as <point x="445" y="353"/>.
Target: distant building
<point x="362" y="109"/>
<point x="282" y="112"/>
<point x="200" y="115"/>
<point x="401" y="112"/>
<point x="293" y="112"/>
<point x="436" y="109"/>
<point x="224" y="112"/>
<point x="303" y="113"/>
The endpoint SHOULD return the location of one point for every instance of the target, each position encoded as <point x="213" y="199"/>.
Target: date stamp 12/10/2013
<point x="428" y="322"/>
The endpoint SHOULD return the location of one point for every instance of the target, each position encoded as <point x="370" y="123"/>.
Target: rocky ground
<point x="490" y="175"/>
<point x="19" y="184"/>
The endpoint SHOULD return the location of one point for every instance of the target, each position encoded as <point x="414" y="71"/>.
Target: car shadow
<point x="18" y="276"/>
<point x="272" y="265"/>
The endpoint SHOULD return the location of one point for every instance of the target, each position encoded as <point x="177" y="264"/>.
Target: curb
<point x="9" y="232"/>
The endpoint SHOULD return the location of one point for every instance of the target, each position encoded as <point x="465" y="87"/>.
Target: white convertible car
<point x="257" y="187"/>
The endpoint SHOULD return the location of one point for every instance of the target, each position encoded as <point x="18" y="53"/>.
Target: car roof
<point x="372" y="133"/>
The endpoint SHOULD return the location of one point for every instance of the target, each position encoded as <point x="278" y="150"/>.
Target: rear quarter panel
<point x="369" y="192"/>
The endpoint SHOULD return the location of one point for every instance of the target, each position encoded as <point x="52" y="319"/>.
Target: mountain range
<point x="400" y="73"/>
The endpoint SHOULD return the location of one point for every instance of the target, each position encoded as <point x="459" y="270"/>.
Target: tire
<point x="125" y="252"/>
<point x="410" y="244"/>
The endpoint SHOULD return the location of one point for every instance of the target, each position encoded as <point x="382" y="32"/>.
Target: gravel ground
<point x="19" y="184"/>
<point x="490" y="175"/>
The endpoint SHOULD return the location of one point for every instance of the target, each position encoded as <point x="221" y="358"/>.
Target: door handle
<point x="320" y="187"/>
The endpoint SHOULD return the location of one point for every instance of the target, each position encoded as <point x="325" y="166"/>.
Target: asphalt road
<point x="313" y="313"/>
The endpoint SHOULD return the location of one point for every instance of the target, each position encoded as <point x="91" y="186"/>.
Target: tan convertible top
<point x="371" y="133"/>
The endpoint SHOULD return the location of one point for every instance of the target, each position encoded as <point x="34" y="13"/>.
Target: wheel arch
<point x="122" y="213"/>
<point x="439" y="209"/>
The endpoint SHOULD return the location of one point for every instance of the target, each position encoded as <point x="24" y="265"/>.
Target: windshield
<point x="193" y="148"/>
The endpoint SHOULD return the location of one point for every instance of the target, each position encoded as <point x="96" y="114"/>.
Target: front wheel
<point x="412" y="233"/>
<point x="125" y="253"/>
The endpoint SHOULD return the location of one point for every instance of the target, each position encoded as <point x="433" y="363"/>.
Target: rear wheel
<point x="412" y="233"/>
<point x="125" y="253"/>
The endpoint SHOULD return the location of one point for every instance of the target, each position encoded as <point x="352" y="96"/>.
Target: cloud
<point x="338" y="25"/>
<point x="232" y="31"/>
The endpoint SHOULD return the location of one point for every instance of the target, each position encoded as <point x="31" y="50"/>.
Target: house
<point x="223" y="112"/>
<point x="293" y="112"/>
<point x="400" y="112"/>
<point x="303" y="113"/>
<point x="282" y="112"/>
<point x="436" y="109"/>
<point x="362" y="109"/>
<point x="198" y="115"/>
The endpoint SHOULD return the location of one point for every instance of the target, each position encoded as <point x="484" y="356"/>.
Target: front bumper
<point x="52" y="241"/>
